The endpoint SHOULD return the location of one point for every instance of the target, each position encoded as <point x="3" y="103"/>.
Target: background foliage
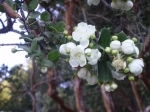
<point x="60" y="90"/>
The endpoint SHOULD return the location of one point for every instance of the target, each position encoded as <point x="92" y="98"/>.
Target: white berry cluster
<point x="125" y="58"/>
<point x="123" y="5"/>
<point x="81" y="54"/>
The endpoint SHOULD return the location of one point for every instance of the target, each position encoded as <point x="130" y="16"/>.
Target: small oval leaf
<point x="105" y="38"/>
<point x="45" y="16"/>
<point x="53" y="55"/>
<point x="34" y="14"/>
<point x="121" y="36"/>
<point x="33" y="4"/>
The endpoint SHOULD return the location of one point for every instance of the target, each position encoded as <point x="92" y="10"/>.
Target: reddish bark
<point x="68" y="15"/>
<point x="77" y="82"/>
<point x="52" y="92"/>
<point x="108" y="102"/>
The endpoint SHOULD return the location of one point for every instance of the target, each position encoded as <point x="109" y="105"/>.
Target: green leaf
<point x="32" y="27"/>
<point x="121" y="36"/>
<point x="47" y="63"/>
<point x="104" y="72"/>
<point x="56" y="27"/>
<point x="53" y="55"/>
<point x="25" y="7"/>
<point x="34" y="45"/>
<point x="26" y="39"/>
<point x="27" y="49"/>
<point x="34" y="14"/>
<point x="105" y="57"/>
<point x="38" y="38"/>
<point x="2" y="8"/>
<point x="45" y="16"/>
<point x="33" y="4"/>
<point x="60" y="26"/>
<point x="105" y="38"/>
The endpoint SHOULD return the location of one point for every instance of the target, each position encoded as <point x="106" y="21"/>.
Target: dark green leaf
<point x="47" y="34"/>
<point x="34" y="14"/>
<point x="105" y="57"/>
<point x="32" y="27"/>
<point x="39" y="38"/>
<point x="47" y="63"/>
<point x="2" y="8"/>
<point x="26" y="39"/>
<point x="104" y="72"/>
<point x="34" y="45"/>
<point x="56" y="27"/>
<point x="121" y="36"/>
<point x="105" y="38"/>
<point x="33" y="4"/>
<point x="53" y="55"/>
<point x="45" y="16"/>
<point x="25" y="7"/>
<point x="27" y="49"/>
<point x="60" y="26"/>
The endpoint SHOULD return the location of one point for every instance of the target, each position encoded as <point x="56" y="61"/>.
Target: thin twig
<point x="106" y="4"/>
<point x="17" y="44"/>
<point x="18" y="32"/>
<point x="84" y="15"/>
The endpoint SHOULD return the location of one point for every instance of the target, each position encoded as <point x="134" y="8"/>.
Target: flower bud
<point x="114" y="85"/>
<point x="69" y="37"/>
<point x="68" y="51"/>
<point x="13" y="50"/>
<point x="114" y="38"/>
<point x="107" y="49"/>
<point x="93" y="36"/>
<point x="134" y="39"/>
<point x="129" y="59"/>
<point x="67" y="60"/>
<point x="65" y="32"/>
<point x="114" y="52"/>
<point x="88" y="54"/>
<point x="131" y="78"/>
<point x="91" y="45"/>
<point x="141" y="59"/>
<point x="107" y="87"/>
<point x="126" y="70"/>
<point x="74" y="28"/>
<point x="44" y="70"/>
